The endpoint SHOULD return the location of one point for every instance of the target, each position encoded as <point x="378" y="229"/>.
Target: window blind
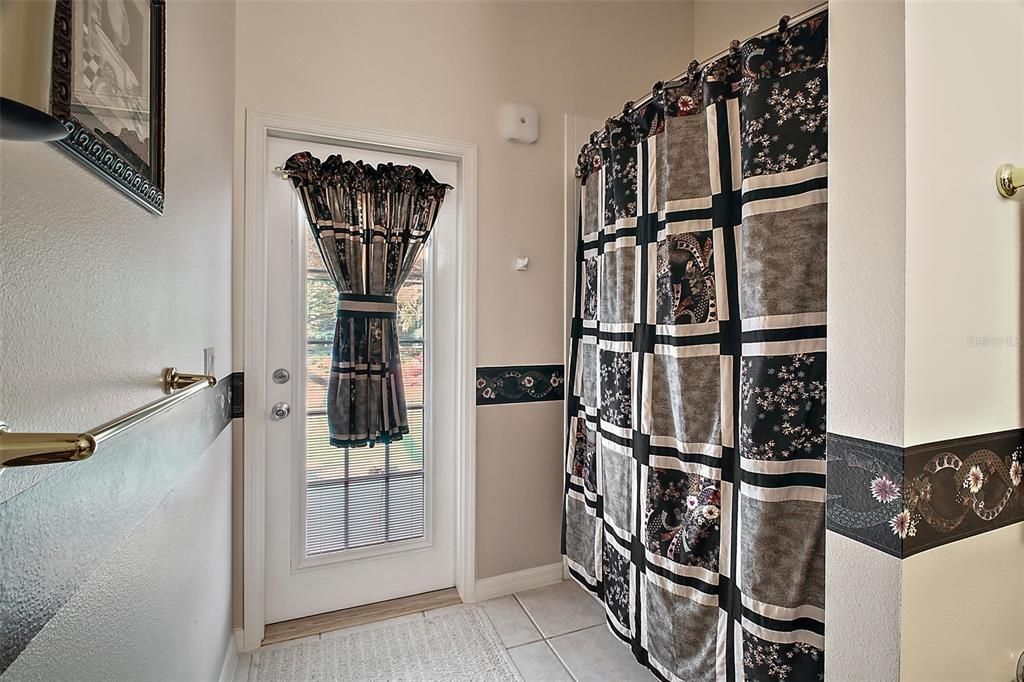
<point x="362" y="496"/>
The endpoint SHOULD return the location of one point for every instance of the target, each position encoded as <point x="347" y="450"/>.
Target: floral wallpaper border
<point x="851" y="508"/>
<point x="519" y="384"/>
<point x="907" y="500"/>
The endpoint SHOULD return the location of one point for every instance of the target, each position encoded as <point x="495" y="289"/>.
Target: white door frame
<point x="577" y="131"/>
<point x="259" y="126"/>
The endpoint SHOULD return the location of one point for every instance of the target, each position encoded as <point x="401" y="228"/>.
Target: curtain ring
<point x="580" y="164"/>
<point x="784" y="23"/>
<point x="627" y="109"/>
<point x="658" y="93"/>
<point x="734" y="46"/>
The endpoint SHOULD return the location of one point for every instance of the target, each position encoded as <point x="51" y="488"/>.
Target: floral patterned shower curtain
<point x="369" y="224"/>
<point x="695" y="466"/>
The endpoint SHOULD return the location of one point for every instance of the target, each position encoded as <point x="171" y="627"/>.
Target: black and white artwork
<point x="109" y="90"/>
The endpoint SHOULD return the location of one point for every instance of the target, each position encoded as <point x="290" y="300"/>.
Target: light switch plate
<point x="522" y="263"/>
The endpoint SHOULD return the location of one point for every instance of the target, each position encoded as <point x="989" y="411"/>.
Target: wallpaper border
<point x="850" y="508"/>
<point x="904" y="501"/>
<point x="513" y="384"/>
<point x="237" y="394"/>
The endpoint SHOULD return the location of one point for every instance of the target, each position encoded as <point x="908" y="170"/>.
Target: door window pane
<point x="362" y="496"/>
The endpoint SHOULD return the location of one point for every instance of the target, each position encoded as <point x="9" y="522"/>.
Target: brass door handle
<point x="1009" y="179"/>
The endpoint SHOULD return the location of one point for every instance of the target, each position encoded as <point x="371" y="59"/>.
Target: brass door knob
<point x="1009" y="179"/>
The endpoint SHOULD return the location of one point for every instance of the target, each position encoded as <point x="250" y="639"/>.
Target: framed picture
<point x="108" y="90"/>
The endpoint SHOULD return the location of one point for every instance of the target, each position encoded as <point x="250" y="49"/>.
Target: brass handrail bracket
<point x="175" y="380"/>
<point x="27" y="449"/>
<point x="1009" y="179"/>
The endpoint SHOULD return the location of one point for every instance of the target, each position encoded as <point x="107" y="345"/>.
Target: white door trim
<point x="258" y="127"/>
<point x="577" y="131"/>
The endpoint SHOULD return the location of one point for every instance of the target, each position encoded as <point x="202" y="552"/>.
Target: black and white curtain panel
<point x="695" y="465"/>
<point x="369" y="224"/>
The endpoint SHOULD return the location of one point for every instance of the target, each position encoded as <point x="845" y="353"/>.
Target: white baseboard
<point x="240" y="640"/>
<point x="507" y="583"/>
<point x="227" y="668"/>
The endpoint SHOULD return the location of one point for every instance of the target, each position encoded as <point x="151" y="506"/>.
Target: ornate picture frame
<point x="108" y="90"/>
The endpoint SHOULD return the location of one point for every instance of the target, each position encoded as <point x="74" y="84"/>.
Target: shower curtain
<point x="695" y="460"/>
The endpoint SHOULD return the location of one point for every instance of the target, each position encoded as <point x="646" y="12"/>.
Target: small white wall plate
<point x="519" y="123"/>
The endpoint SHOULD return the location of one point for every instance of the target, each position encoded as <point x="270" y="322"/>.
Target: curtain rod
<point x="791" y="21"/>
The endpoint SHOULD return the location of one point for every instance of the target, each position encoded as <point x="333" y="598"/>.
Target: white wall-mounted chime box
<point x="519" y="123"/>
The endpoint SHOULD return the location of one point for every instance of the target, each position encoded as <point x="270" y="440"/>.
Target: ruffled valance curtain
<point x="369" y="224"/>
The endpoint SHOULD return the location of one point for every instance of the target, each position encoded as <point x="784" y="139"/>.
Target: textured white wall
<point x="159" y="607"/>
<point x="863" y="591"/>
<point x="867" y="221"/>
<point x="866" y="255"/>
<point x="97" y="296"/>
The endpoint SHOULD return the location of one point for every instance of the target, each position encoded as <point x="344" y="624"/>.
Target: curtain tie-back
<point x="368" y="305"/>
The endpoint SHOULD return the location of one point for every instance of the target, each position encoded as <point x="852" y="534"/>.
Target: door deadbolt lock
<point x="281" y="376"/>
<point x="280" y="411"/>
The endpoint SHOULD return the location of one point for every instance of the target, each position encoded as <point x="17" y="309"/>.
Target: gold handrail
<point x="27" y="449"/>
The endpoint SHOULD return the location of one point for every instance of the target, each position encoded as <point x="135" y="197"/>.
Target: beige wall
<point x="97" y="296"/>
<point x="963" y="609"/>
<point x="445" y="69"/>
<point x="963" y="239"/>
<point x="716" y="23"/>
<point x="519" y="494"/>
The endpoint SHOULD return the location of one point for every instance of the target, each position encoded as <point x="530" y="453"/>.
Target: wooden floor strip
<point x="358" y="615"/>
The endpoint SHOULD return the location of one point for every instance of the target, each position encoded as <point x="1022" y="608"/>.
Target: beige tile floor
<point x="552" y="634"/>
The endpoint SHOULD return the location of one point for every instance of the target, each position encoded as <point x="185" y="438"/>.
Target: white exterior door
<point x="346" y="527"/>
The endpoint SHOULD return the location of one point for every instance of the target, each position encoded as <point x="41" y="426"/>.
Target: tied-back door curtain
<point x="370" y="224"/>
<point x="695" y="467"/>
